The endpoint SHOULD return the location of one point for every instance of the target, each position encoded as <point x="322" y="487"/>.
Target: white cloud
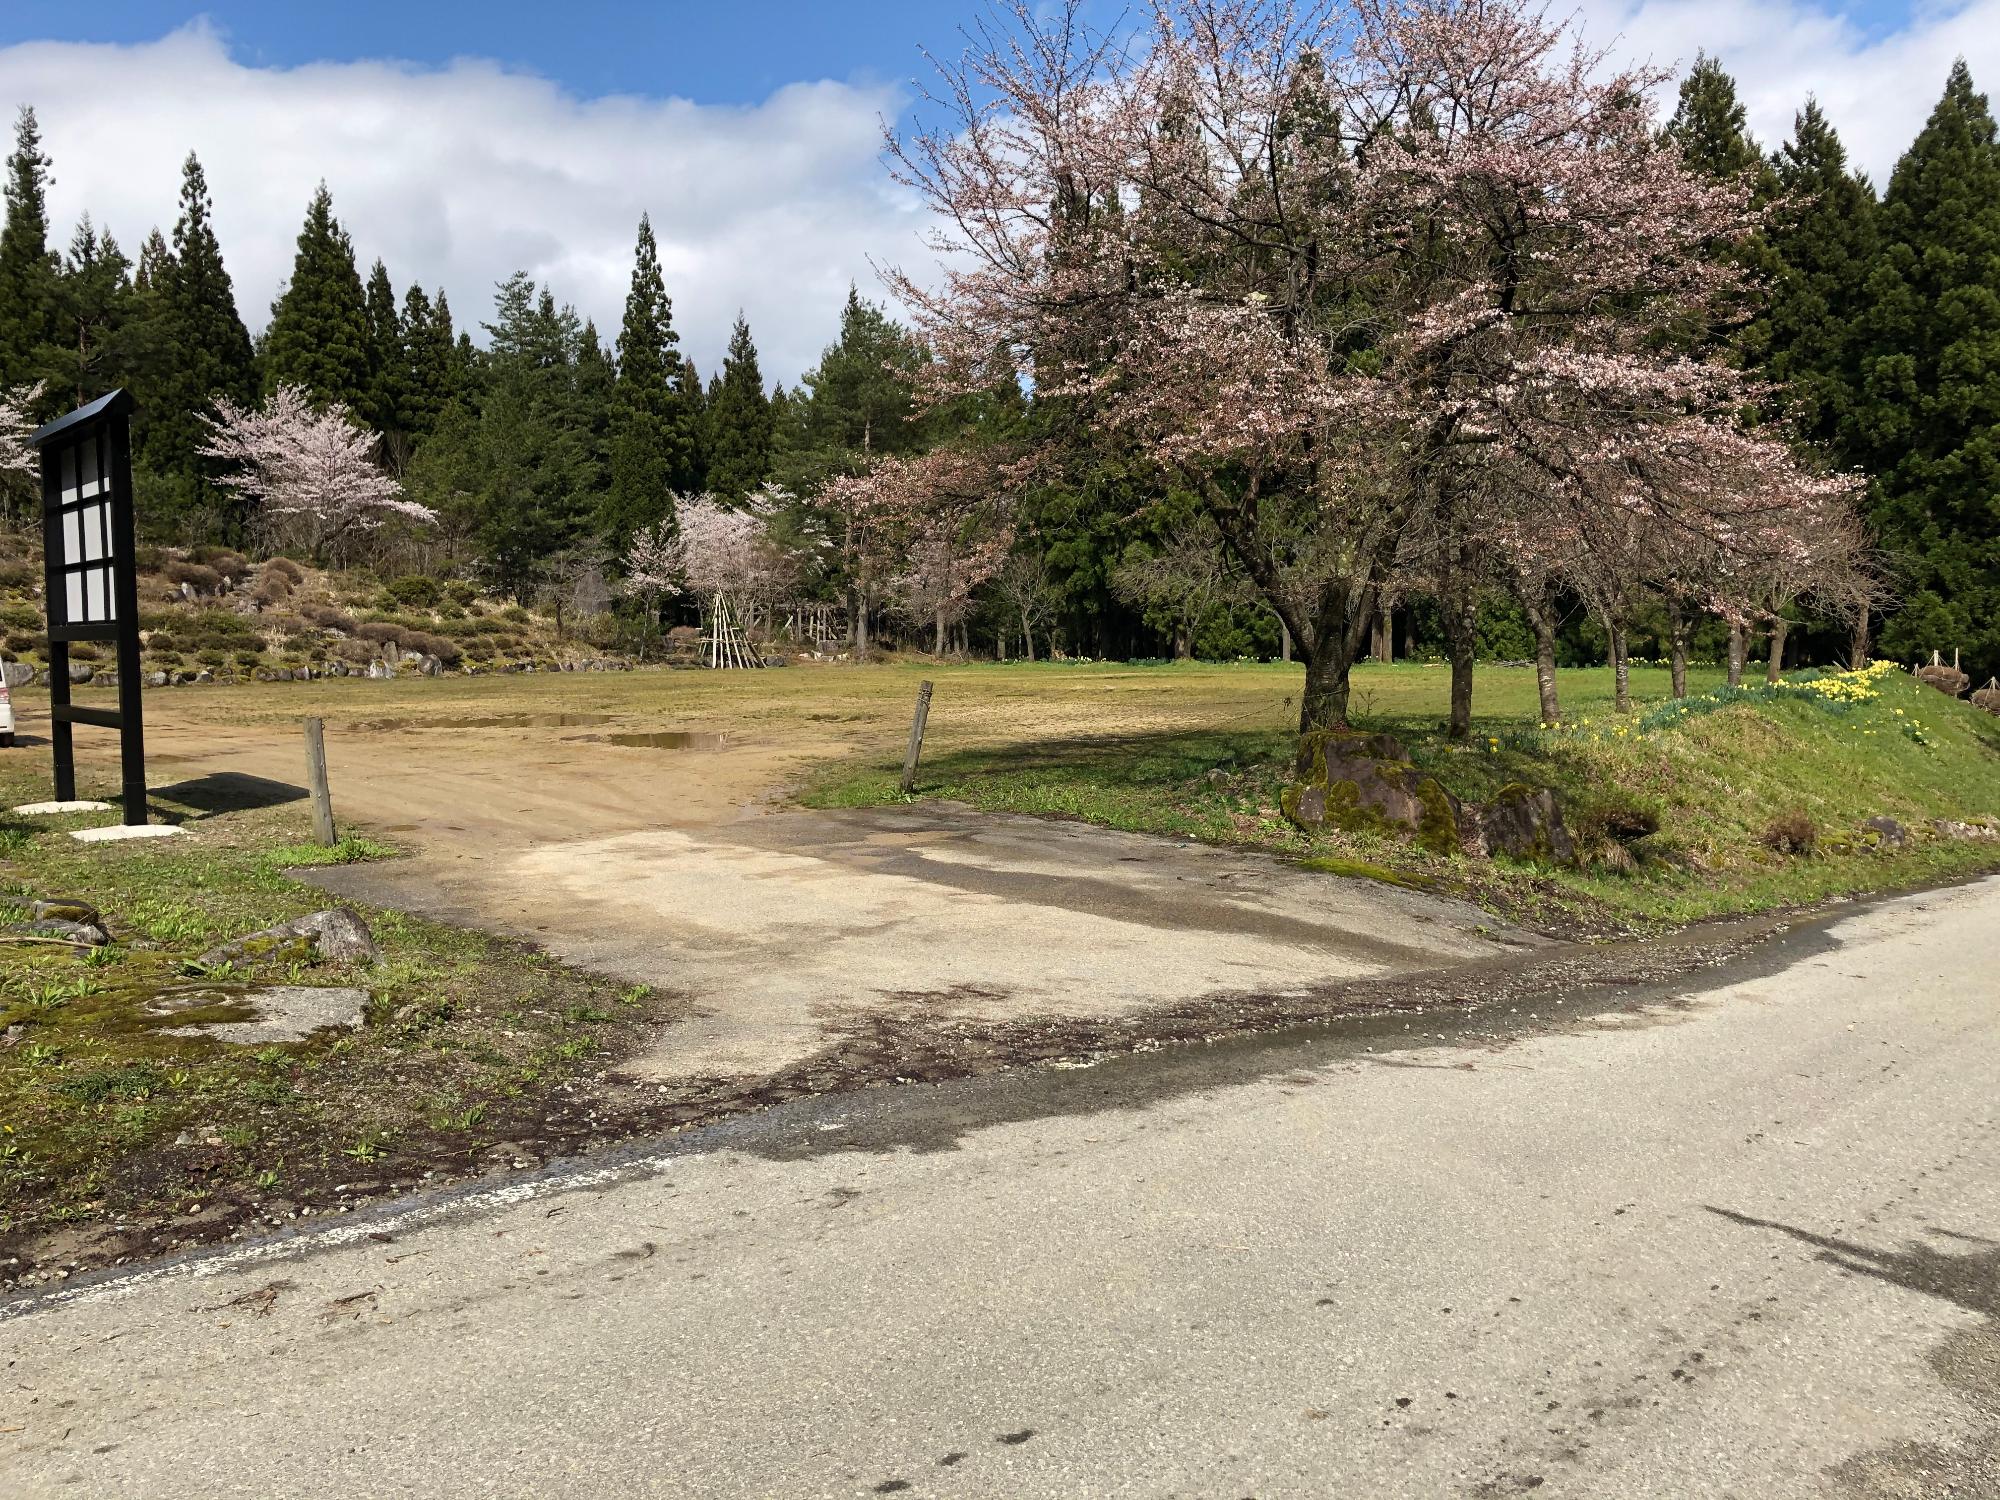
<point x="460" y="175"/>
<point x="457" y="176"/>
<point x="1877" y="90"/>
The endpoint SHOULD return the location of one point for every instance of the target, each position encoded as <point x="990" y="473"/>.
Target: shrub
<point x="198" y="576"/>
<point x="415" y="591"/>
<point x="444" y="650"/>
<point x="225" y="561"/>
<point x="327" y="617"/>
<point x="84" y="651"/>
<point x="249" y="658"/>
<point x="462" y="592"/>
<point x="515" y="615"/>
<point x="1792" y="833"/>
<point x="381" y="632"/>
<point x="210" y="658"/>
<point x="25" y="642"/>
<point x="19" y="575"/>
<point x="287" y="567"/>
<point x="1610" y="814"/>
<point x="20" y="617"/>
<point x="272" y="588"/>
<point x="158" y="643"/>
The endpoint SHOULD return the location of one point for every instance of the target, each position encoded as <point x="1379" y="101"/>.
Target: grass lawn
<point x="1715" y="773"/>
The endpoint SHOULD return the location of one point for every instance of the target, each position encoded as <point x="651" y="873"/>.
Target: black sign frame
<point x="91" y="584"/>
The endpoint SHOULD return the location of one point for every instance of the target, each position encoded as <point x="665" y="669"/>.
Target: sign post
<point x="92" y="589"/>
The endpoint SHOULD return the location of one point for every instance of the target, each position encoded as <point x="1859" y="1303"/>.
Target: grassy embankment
<point x="1716" y="773"/>
<point x="134" y="1137"/>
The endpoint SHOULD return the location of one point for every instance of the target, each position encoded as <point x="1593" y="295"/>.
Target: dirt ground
<point x="637" y="824"/>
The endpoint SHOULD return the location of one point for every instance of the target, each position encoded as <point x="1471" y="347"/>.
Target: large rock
<point x="17" y="673"/>
<point x="333" y="935"/>
<point x="1889" y="834"/>
<point x="83" y="934"/>
<point x="1366" y="783"/>
<point x="1525" y="822"/>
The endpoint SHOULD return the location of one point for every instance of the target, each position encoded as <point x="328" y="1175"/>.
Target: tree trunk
<point x="1860" y="647"/>
<point x="859" y="632"/>
<point x="1621" y="667"/>
<point x="1737" y="652"/>
<point x="1027" y="635"/>
<point x="1323" y="705"/>
<point x="1545" y="661"/>
<point x="1678" y="628"/>
<point x="1284" y="641"/>
<point x="1460" y="607"/>
<point x="1385" y="635"/>
<point x="1774" y="666"/>
<point x="938" y="644"/>
<point x="1000" y="642"/>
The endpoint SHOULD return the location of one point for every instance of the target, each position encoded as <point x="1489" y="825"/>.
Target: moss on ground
<point x="107" y="1116"/>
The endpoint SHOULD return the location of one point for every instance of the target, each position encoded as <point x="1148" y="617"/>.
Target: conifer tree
<point x="205" y="353"/>
<point x="428" y="358"/>
<point x="96" y="345"/>
<point x="318" y="338"/>
<point x="1710" y="127"/>
<point x="1824" y="239"/>
<point x="1928" y="420"/>
<point x="694" y="411"/>
<point x="739" y="420"/>
<point x="652" y="447"/>
<point x="384" y="410"/>
<point x="28" y="268"/>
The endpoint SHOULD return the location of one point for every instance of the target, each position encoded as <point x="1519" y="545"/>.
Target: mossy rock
<point x="1526" y="823"/>
<point x="1365" y="783"/>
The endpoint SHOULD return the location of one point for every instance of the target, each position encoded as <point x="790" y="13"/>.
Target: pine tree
<point x="739" y="420"/>
<point x="652" y="447"/>
<point x="1824" y="238"/>
<point x="319" y="332"/>
<point x="1929" y="417"/>
<point x="427" y="384"/>
<point x="519" y="475"/>
<point x="1710" y="127"/>
<point x="694" y="416"/>
<point x="206" y="353"/>
<point x="1712" y="131"/>
<point x="384" y="408"/>
<point x="28" y="269"/>
<point x="96" y="345"/>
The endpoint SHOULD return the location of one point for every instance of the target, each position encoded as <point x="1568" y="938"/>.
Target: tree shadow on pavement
<point x="1967" y="1361"/>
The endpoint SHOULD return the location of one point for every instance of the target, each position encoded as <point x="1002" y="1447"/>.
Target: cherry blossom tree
<point x="1340" y="270"/>
<point x="650" y="570"/>
<point x="18" y="462"/>
<point x="924" y="533"/>
<point x="309" y="470"/>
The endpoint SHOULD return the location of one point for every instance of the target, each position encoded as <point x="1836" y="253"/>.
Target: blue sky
<point x="464" y="141"/>
<point x="712" y="53"/>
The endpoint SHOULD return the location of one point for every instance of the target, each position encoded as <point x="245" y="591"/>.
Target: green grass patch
<point x="1712" y="772"/>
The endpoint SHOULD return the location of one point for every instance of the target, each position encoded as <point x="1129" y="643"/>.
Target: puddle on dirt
<point x="660" y="739"/>
<point x="490" y="721"/>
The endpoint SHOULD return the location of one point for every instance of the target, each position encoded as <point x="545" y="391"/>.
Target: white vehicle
<point x="6" y="716"/>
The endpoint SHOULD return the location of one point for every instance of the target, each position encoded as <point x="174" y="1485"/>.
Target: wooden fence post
<point x="322" y="798"/>
<point x="916" y="737"/>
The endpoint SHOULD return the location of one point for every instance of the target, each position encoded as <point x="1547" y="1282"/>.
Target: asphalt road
<point x="1742" y="1240"/>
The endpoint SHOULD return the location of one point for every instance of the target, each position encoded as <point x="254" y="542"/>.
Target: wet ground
<point x="1725" y="1235"/>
